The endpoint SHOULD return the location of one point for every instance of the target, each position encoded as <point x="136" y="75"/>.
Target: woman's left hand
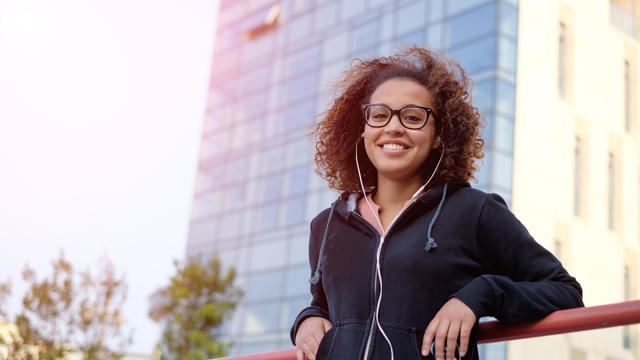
<point x="454" y="320"/>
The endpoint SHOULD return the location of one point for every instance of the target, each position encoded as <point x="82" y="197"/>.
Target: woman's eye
<point x="412" y="119"/>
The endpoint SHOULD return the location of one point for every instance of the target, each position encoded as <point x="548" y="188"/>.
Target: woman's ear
<point x="436" y="143"/>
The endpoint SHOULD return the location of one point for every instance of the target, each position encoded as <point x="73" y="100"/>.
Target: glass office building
<point x="274" y="61"/>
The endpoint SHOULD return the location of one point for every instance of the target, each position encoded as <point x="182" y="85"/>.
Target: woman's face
<point x="395" y="151"/>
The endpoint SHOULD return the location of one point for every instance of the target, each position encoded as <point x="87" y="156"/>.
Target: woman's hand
<point x="309" y="334"/>
<point x="454" y="320"/>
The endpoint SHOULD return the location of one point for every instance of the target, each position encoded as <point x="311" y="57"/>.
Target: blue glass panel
<point x="293" y="307"/>
<point x="457" y="6"/>
<point x="265" y="285"/>
<point x="483" y="96"/>
<point x="255" y="80"/>
<point x="299" y="115"/>
<point x="297" y="180"/>
<point x="477" y="55"/>
<point x="470" y="25"/>
<point x="365" y="35"/>
<point x="267" y="217"/>
<point x="414" y="38"/>
<point x="297" y="281"/>
<point x="271" y="187"/>
<point x="236" y="169"/>
<point x="487" y="131"/>
<point x="304" y="60"/>
<point x="295" y="211"/>
<point x="508" y="23"/>
<point x="506" y="98"/>
<point x="502" y="170"/>
<point x="260" y="318"/>
<point x="483" y="174"/>
<point x="507" y="57"/>
<point x="504" y="134"/>
<point x="301" y="87"/>
<point x="411" y="17"/>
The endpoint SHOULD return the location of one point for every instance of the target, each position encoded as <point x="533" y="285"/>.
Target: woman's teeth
<point x="393" y="147"/>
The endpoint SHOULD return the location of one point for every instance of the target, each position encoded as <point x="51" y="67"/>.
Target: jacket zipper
<point x="375" y="279"/>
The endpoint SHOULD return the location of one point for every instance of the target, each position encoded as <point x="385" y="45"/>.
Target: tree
<point x="71" y="311"/>
<point x="198" y="299"/>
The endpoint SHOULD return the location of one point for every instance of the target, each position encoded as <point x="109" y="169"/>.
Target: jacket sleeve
<point x="318" y="305"/>
<point x="523" y="281"/>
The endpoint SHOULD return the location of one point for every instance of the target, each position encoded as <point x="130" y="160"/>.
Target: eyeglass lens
<point x="410" y="117"/>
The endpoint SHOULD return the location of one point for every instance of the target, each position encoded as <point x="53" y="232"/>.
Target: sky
<point x="101" y="111"/>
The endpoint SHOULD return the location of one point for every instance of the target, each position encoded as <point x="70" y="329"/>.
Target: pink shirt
<point x="366" y="213"/>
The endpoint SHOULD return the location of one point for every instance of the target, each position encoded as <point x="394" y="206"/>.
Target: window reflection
<point x="301" y="87"/>
<point x="508" y="20"/>
<point x="271" y="187"/>
<point x="265" y="285"/>
<point x="267" y="255"/>
<point x="411" y="17"/>
<point x="295" y="211"/>
<point x="299" y="115"/>
<point x="477" y="55"/>
<point x="507" y="55"/>
<point x="483" y="96"/>
<point x="297" y="281"/>
<point x="267" y="217"/>
<point x="506" y="98"/>
<point x="365" y="35"/>
<point x="458" y="6"/>
<point x="502" y="170"/>
<point x="297" y="180"/>
<point x="482" y="20"/>
<point x="260" y="318"/>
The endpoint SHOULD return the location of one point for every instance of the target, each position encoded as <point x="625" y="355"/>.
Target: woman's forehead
<point x="398" y="90"/>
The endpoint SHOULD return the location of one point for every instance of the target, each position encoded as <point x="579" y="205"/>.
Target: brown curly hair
<point x="338" y="129"/>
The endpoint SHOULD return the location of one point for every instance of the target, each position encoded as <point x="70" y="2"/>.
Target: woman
<point x="406" y="270"/>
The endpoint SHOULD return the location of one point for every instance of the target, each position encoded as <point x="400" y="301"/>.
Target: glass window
<point x="251" y="107"/>
<point x="414" y="38"/>
<point x="299" y="115"/>
<point x="202" y="232"/>
<point x="261" y="318"/>
<point x="483" y="174"/>
<point x="507" y="57"/>
<point x="508" y="24"/>
<point x="503" y="134"/>
<point x="292" y="308"/>
<point x="365" y="36"/>
<point x="577" y="177"/>
<point x="335" y="47"/>
<point x="434" y="36"/>
<point x="301" y="87"/>
<point x="229" y="225"/>
<point x="271" y="187"/>
<point x="267" y="255"/>
<point x="627" y="96"/>
<point x="295" y="210"/>
<point x="235" y="196"/>
<point x="612" y="192"/>
<point x="264" y="285"/>
<point x="304" y="60"/>
<point x="299" y="151"/>
<point x="483" y="96"/>
<point x="255" y="80"/>
<point x="299" y="29"/>
<point x="267" y="217"/>
<point x="411" y="17"/>
<point x="326" y="17"/>
<point x="470" y="25"/>
<point x="458" y="6"/>
<point x="475" y="56"/>
<point x="386" y="31"/>
<point x="562" y="60"/>
<point x="299" y="247"/>
<point x="502" y="170"/>
<point x="223" y="91"/>
<point x="351" y="8"/>
<point x="506" y="98"/>
<point x="272" y="159"/>
<point x="297" y="180"/>
<point x="237" y="169"/>
<point x="297" y="281"/>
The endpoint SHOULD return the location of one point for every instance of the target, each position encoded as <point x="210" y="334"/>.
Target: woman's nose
<point x="394" y="125"/>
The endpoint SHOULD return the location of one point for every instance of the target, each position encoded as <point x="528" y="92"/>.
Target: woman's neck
<point x="393" y="193"/>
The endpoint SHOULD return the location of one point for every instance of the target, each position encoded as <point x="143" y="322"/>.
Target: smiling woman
<point x="401" y="141"/>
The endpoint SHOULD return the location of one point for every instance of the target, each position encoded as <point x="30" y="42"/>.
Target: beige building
<point x="576" y="180"/>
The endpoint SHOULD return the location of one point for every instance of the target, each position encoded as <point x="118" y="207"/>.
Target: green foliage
<point x="199" y="298"/>
<point x="71" y="311"/>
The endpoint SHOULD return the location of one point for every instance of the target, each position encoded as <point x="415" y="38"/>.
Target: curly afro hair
<point x="337" y="130"/>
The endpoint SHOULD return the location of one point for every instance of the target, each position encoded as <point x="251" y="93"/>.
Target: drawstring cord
<point x="316" y="275"/>
<point x="431" y="243"/>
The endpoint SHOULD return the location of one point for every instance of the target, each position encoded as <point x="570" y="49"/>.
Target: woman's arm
<point x="524" y="281"/>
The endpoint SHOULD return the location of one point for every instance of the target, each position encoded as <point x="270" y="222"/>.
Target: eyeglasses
<point x="411" y="116"/>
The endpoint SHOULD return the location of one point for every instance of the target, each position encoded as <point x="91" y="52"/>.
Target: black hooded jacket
<point x="479" y="253"/>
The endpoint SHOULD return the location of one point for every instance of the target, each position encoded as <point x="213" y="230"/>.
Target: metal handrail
<point x="559" y="322"/>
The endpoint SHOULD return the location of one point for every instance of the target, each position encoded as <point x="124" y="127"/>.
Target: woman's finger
<point x="465" y="332"/>
<point x="307" y="350"/>
<point x="441" y="335"/>
<point x="429" y="334"/>
<point x="452" y="339"/>
<point x="299" y="354"/>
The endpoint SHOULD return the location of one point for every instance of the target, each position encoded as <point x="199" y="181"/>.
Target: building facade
<point x="543" y="102"/>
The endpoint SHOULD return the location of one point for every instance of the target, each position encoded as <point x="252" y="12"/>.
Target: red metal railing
<point x="564" y="321"/>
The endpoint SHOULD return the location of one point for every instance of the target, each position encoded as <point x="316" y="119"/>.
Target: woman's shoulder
<point x="470" y="196"/>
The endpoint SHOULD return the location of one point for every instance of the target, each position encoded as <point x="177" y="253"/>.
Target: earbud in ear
<point x="362" y="135"/>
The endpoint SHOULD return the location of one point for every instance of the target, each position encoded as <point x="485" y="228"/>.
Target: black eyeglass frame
<point x="365" y="107"/>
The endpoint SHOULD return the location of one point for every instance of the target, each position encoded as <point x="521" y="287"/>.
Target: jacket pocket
<point x="404" y="340"/>
<point x="326" y="344"/>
